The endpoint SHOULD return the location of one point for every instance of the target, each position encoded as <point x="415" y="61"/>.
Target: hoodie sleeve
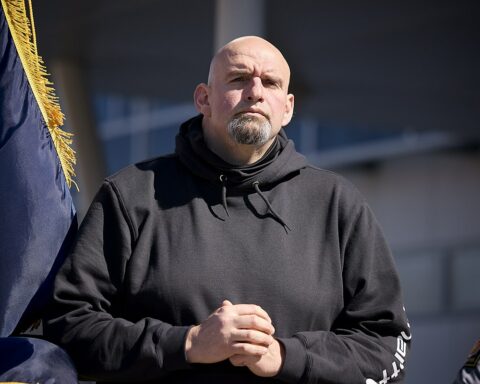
<point x="368" y="341"/>
<point x="86" y="293"/>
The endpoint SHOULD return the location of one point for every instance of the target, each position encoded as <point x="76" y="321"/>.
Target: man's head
<point x="246" y="100"/>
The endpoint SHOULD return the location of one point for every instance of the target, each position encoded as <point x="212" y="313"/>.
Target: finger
<point x="254" y="322"/>
<point x="252" y="309"/>
<point x="226" y="303"/>
<point x="243" y="360"/>
<point x="249" y="349"/>
<point x="252" y="336"/>
<point x="238" y="360"/>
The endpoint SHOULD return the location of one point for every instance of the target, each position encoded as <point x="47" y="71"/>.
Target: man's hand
<point x="243" y="329"/>
<point x="266" y="365"/>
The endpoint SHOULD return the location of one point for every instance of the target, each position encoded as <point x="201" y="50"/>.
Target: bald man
<point x="232" y="260"/>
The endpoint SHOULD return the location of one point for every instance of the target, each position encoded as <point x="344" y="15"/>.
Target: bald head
<point x="250" y="46"/>
<point x="246" y="101"/>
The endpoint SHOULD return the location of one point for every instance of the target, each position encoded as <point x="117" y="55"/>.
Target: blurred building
<point x="387" y="94"/>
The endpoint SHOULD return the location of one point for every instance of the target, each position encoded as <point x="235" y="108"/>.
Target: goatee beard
<point x="251" y="130"/>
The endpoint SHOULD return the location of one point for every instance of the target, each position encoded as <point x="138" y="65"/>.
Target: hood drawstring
<point x="255" y="185"/>
<point x="223" y="180"/>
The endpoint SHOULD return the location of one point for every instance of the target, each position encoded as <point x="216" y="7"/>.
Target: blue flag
<point x="30" y="360"/>
<point x="36" y="209"/>
<point x="37" y="216"/>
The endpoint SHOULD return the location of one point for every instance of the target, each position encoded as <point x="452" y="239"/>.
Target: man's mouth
<point x="253" y="112"/>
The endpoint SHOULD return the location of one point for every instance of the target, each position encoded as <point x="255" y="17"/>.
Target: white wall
<point x="425" y="200"/>
<point x="429" y="208"/>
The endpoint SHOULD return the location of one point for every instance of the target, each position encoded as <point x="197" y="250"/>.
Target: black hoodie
<point x="167" y="240"/>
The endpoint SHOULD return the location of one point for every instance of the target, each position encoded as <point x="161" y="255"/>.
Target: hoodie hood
<point x="280" y="160"/>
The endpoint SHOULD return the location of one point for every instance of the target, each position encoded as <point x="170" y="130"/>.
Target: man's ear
<point x="287" y="116"/>
<point x="200" y="98"/>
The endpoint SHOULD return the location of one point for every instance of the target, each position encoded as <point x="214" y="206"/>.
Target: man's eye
<point x="269" y="83"/>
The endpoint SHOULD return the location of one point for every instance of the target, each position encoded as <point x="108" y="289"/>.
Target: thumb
<point x="226" y="303"/>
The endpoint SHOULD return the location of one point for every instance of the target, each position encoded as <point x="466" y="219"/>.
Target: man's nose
<point x="254" y="91"/>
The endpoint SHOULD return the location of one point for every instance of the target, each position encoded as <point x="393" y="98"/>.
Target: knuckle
<point x="225" y="335"/>
<point x="223" y="321"/>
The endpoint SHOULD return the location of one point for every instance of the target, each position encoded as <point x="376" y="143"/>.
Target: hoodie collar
<point x="280" y="160"/>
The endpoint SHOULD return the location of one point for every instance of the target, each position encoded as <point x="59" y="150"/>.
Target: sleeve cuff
<point x="295" y="361"/>
<point x="173" y="350"/>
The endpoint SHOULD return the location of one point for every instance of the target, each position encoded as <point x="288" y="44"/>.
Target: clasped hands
<point x="241" y="333"/>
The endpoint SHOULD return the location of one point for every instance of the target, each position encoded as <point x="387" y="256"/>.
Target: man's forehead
<point x="248" y="54"/>
<point x="250" y="62"/>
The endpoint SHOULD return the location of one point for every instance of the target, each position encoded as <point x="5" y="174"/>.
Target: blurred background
<point x="387" y="94"/>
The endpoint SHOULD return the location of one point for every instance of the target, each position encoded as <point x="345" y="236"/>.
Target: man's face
<point x="247" y="93"/>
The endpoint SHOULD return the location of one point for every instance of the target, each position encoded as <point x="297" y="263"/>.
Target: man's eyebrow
<point x="265" y="76"/>
<point x="238" y="71"/>
<point x="275" y="78"/>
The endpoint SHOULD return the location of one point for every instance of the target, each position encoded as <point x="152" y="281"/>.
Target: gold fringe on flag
<point x="22" y="29"/>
